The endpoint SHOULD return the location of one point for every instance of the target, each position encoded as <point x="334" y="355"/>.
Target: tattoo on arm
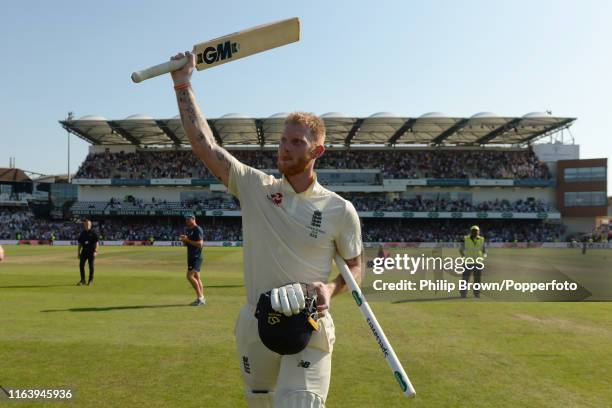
<point x="222" y="156"/>
<point x="186" y="103"/>
<point x="201" y="137"/>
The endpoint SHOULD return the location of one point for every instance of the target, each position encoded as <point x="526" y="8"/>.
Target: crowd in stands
<point x="402" y="164"/>
<point x="21" y="224"/>
<point x="362" y="202"/>
<point x="143" y="165"/>
<point x="373" y="202"/>
<point x="130" y="203"/>
<point x="18" y="223"/>
<point x="462" y="164"/>
<point x="225" y="202"/>
<point x="450" y="231"/>
<point x="136" y="203"/>
<point x="145" y="230"/>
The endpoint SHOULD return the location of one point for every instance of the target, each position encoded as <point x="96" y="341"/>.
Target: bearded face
<point x="290" y="165"/>
<point x="296" y="151"/>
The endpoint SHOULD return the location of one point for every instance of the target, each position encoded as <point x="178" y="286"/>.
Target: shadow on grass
<point x="222" y="286"/>
<point x="32" y="286"/>
<point x="106" y="309"/>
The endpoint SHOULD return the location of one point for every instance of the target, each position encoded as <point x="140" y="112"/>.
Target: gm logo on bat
<point x="223" y="51"/>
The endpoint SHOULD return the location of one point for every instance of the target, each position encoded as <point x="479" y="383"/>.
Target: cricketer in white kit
<point x="292" y="228"/>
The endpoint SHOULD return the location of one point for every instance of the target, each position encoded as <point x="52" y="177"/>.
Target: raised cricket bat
<point x="231" y="47"/>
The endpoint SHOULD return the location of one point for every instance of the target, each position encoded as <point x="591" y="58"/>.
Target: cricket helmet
<point x="287" y="335"/>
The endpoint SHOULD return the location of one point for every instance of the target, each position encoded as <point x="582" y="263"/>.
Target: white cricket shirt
<point x="290" y="237"/>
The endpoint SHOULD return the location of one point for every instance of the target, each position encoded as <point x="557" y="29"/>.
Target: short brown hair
<point x="311" y="121"/>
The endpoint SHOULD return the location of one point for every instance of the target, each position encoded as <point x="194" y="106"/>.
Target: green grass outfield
<point x="130" y="341"/>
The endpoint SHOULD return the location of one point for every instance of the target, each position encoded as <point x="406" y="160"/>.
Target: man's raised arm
<point x="203" y="143"/>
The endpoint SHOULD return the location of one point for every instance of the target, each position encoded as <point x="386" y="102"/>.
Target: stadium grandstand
<point x="421" y="179"/>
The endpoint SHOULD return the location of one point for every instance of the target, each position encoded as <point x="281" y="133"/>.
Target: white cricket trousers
<point x="265" y="370"/>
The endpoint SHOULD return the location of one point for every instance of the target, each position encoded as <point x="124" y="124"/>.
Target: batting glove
<point x="288" y="300"/>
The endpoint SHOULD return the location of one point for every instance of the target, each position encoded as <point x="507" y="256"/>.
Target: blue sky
<point x="357" y="57"/>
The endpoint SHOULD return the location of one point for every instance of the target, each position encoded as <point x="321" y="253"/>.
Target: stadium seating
<point x="394" y="164"/>
<point x="362" y="202"/>
<point x="22" y="224"/>
<point x="133" y="218"/>
<point x="453" y="230"/>
<point x="372" y="202"/>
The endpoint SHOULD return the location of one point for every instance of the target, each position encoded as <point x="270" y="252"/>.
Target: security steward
<point x="472" y="247"/>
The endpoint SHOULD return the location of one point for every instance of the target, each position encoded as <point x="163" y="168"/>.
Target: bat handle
<point x="156" y="70"/>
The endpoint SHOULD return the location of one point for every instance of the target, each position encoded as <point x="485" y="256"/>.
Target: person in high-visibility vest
<point x="473" y="247"/>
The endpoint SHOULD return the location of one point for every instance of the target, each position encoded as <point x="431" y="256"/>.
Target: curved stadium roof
<point x="382" y="128"/>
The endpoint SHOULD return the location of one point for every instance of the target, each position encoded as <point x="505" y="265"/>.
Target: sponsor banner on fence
<point x="111" y="243"/>
<point x="137" y="243"/>
<point x="223" y="243"/>
<point x="92" y="182"/>
<point x="223" y="213"/>
<point x="490" y="182"/>
<point x="131" y="211"/>
<point x="218" y="187"/>
<point x="171" y="182"/>
<point x="534" y="183"/>
<point x="515" y="245"/>
<point x="168" y="243"/>
<point x="448" y="182"/>
<point x="65" y="243"/>
<point x="88" y="212"/>
<point x="457" y="215"/>
<point x="75" y="243"/>
<point x="34" y="242"/>
<point x="181" y="212"/>
<point x="556" y="245"/>
<point x="203" y="181"/>
<point x="206" y="243"/>
<point x="359" y="188"/>
<point x="595" y="245"/>
<point x="130" y="182"/>
<point x="404" y="182"/>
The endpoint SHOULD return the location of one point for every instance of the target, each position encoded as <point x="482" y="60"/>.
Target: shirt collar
<point x="286" y="187"/>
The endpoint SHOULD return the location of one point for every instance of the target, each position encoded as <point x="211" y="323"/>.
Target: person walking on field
<point x="292" y="228"/>
<point x="193" y="239"/>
